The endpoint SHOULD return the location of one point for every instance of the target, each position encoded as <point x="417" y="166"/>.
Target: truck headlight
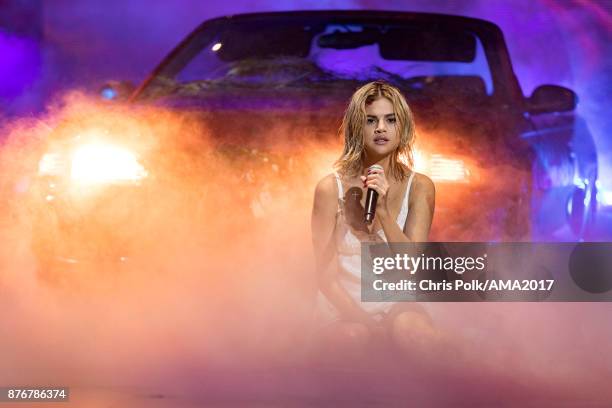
<point x="102" y="163"/>
<point x="94" y="163"/>
<point x="441" y="168"/>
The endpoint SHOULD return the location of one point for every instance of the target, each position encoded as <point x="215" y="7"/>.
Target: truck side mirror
<point x="551" y="98"/>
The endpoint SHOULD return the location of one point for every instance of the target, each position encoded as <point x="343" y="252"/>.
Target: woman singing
<point x="378" y="129"/>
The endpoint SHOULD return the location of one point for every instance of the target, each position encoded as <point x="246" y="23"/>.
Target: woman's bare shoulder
<point x="326" y="187"/>
<point x="423" y="185"/>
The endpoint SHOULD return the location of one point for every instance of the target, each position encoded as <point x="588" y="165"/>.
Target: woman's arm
<point x="421" y="209"/>
<point x="323" y="223"/>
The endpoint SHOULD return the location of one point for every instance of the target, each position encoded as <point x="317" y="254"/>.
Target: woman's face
<point x="380" y="133"/>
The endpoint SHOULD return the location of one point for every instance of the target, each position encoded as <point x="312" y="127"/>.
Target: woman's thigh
<point x="406" y="307"/>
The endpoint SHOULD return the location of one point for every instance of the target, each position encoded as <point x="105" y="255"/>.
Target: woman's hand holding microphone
<point x="376" y="181"/>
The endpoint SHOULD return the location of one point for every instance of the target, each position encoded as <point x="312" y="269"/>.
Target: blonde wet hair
<point x="352" y="128"/>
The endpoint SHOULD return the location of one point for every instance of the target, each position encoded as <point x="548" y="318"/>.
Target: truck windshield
<point x="301" y="53"/>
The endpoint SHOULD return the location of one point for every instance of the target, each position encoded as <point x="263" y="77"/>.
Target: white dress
<point x="348" y="248"/>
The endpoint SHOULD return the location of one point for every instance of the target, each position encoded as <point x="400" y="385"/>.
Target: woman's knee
<point x="413" y="328"/>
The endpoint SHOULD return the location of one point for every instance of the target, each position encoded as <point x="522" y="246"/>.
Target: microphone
<point x="371" y="198"/>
